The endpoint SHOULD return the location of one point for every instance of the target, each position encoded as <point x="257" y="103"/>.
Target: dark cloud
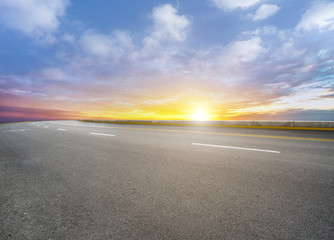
<point x="328" y="96"/>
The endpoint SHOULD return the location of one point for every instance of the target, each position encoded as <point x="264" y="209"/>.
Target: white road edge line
<point x="17" y="130"/>
<point x="103" y="134"/>
<point x="62" y="129"/>
<point x="239" y="148"/>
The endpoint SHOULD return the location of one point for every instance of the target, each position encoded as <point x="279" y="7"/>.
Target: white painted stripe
<point x="62" y="129"/>
<point x="238" y="148"/>
<point x="103" y="134"/>
<point x="82" y="125"/>
<point x="17" y="130"/>
<point x="46" y="127"/>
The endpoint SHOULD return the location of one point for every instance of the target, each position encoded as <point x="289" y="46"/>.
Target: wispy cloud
<point x="242" y="51"/>
<point x="34" y="18"/>
<point x="104" y="46"/>
<point x="264" y="11"/>
<point x="232" y="4"/>
<point x="320" y="16"/>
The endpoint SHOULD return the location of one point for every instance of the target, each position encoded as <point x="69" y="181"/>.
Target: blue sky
<point x="247" y="59"/>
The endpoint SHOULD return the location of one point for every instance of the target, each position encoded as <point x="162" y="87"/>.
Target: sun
<point x="200" y="115"/>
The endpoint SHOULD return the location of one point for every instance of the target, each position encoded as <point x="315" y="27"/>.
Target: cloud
<point x="68" y="38"/>
<point x="233" y="4"/>
<point x="104" y="46"/>
<point x="243" y="51"/>
<point x="37" y="19"/>
<point x="265" y="11"/>
<point x="53" y="74"/>
<point x="167" y="25"/>
<point x="328" y="96"/>
<point x="265" y="30"/>
<point x="320" y="16"/>
<point x="168" y="28"/>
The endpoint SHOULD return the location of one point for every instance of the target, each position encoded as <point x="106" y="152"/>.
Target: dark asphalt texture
<point x="59" y="181"/>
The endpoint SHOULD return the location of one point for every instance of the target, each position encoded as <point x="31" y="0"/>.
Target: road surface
<point x="76" y="180"/>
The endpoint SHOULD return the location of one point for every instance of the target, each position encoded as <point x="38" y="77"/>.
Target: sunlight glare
<point x="200" y="115"/>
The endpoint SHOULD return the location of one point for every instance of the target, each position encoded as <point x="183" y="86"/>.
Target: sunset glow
<point x="174" y="60"/>
<point x="200" y="115"/>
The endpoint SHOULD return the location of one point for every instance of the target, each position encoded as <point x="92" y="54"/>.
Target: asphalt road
<point x="75" y="180"/>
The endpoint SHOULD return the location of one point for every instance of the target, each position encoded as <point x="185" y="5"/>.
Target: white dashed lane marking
<point x="237" y="148"/>
<point x="102" y="134"/>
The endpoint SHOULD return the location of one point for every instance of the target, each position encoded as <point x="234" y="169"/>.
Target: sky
<point x="173" y="59"/>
